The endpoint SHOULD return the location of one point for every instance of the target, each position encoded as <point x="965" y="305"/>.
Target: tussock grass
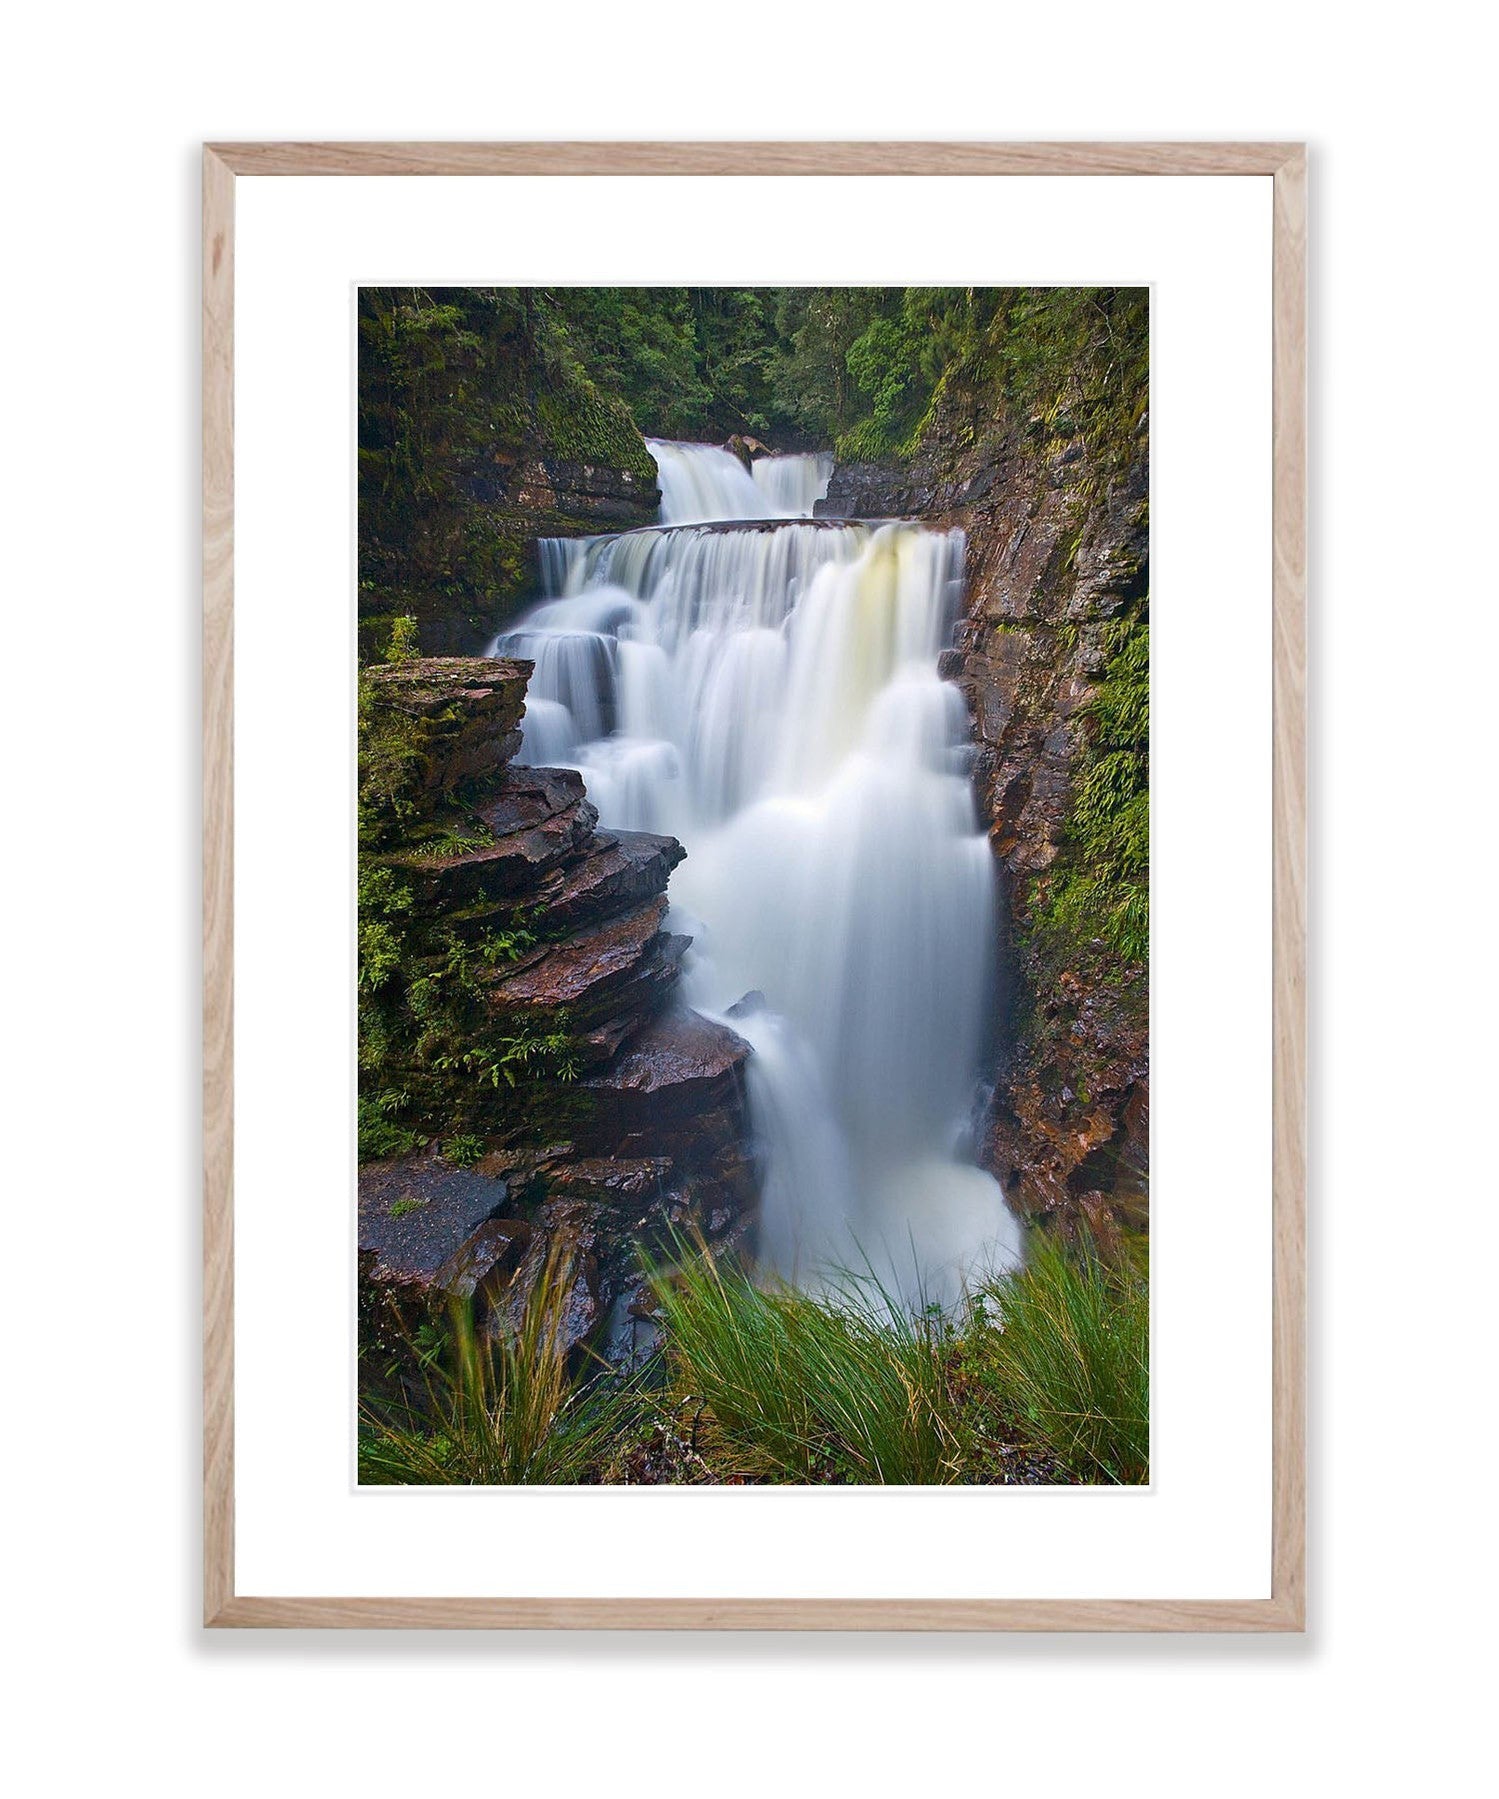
<point x="1043" y="1376"/>
<point x="851" y="1388"/>
<point x="506" y="1412"/>
<point x="1067" y="1362"/>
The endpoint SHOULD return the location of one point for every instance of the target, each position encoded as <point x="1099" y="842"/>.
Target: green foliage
<point x="401" y="645"/>
<point x="380" y="948"/>
<point x="532" y="1050"/>
<point x="807" y="1390"/>
<point x="392" y="748"/>
<point x="1049" y="1363"/>
<point x="383" y="906"/>
<point x="1100" y="887"/>
<point x="1069" y="362"/>
<point x="409" y="1203"/>
<point x="455" y="386"/>
<point x="1069" y="1363"/>
<point x="500" y="946"/>
<point x="862" y="368"/>
<point x="498" y="1412"/>
<point x="381" y="1134"/>
<point x="429" y="1044"/>
<point x="463" y="1150"/>
<point x="1050" y="1360"/>
<point x="449" y="842"/>
<point x="689" y="362"/>
<point x="641" y="343"/>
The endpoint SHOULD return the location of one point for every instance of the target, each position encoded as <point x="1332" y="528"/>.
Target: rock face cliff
<point x="532" y="1092"/>
<point x="478" y="434"/>
<point x="1052" y="657"/>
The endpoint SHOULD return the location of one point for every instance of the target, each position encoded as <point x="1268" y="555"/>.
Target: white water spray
<point x="769" y="695"/>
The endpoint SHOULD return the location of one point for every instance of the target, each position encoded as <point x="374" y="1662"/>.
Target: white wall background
<point x="113" y="1682"/>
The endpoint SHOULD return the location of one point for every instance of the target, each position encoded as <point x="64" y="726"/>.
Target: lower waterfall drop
<point x="767" y="692"/>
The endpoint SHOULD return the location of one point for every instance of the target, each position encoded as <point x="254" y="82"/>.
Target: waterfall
<point x="793" y="485"/>
<point x="768" y="694"/>
<point x="700" y="482"/>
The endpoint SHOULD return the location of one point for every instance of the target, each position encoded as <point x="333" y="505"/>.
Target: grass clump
<point x="812" y="1390"/>
<point x="1041" y="1378"/>
<point x="1044" y="1375"/>
<point x="1061" y="1352"/>
<point x="504" y="1411"/>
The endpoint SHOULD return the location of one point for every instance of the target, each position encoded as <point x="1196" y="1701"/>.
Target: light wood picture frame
<point x="1285" y="164"/>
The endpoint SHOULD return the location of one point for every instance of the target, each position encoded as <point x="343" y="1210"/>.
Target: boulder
<point x="614" y="1180"/>
<point x="484" y="1262"/>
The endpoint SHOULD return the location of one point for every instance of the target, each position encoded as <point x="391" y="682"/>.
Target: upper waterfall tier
<point x="701" y="483"/>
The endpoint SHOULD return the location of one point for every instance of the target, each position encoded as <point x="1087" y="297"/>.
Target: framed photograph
<point x="754" y="886"/>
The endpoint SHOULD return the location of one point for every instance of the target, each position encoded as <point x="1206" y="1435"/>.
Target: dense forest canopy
<point x="857" y="370"/>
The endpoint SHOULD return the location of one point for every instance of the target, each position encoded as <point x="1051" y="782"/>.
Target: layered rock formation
<point x="1057" y="581"/>
<point x="532" y="1093"/>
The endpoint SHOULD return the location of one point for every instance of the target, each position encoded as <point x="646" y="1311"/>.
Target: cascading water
<point x="793" y="485"/>
<point x="703" y="482"/>
<point x="768" y="694"/>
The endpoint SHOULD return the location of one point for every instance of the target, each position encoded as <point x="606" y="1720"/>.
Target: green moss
<point x="579" y="424"/>
<point x="1094" y="901"/>
<point x="392" y="755"/>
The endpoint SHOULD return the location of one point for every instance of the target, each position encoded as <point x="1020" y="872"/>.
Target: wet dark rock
<point x="430" y="1235"/>
<point x="561" y="1253"/>
<point x="414" y="1214"/>
<point x="614" y="1180"/>
<point x="682" y="1067"/>
<point x="484" y="1262"/>
<point x="618" y="868"/>
<point x="608" y="978"/>
<point x="599" y="497"/>
<point x="577" y="1175"/>
<point x="538" y="820"/>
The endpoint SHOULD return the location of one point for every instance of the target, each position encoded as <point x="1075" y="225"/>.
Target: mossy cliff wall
<point x="529" y="1085"/>
<point x="1052" y="657"/>
<point x="479" y="432"/>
